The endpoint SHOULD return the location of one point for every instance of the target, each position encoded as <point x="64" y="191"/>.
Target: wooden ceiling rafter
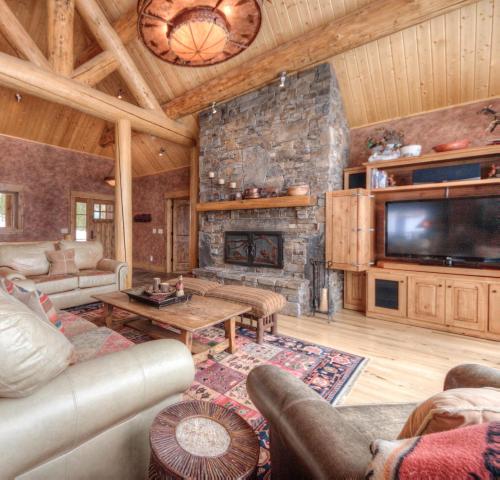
<point x="373" y="21"/>
<point x="60" y="31"/>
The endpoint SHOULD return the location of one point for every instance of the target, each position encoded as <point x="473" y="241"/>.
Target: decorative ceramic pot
<point x="411" y="150"/>
<point x="296" y="190"/>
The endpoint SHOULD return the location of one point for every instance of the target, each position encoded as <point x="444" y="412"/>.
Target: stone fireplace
<point x="254" y="249"/>
<point x="274" y="137"/>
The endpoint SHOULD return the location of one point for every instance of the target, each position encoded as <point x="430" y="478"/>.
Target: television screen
<point x="466" y="229"/>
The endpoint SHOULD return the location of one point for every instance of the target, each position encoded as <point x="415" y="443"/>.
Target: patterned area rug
<point x="222" y="379"/>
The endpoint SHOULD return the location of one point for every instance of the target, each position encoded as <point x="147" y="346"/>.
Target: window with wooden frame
<point x="103" y="212"/>
<point x="10" y="208"/>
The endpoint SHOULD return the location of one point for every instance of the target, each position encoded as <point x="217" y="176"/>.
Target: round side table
<point x="202" y="440"/>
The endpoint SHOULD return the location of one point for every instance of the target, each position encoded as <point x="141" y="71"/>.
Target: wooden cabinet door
<point x="467" y="304"/>
<point x="347" y="233"/>
<point x="387" y="293"/>
<point x="426" y="300"/>
<point x="355" y="291"/>
<point x="494" y="313"/>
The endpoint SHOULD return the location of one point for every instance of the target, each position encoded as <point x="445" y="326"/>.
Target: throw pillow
<point x="62" y="262"/>
<point x="464" y="453"/>
<point x="31" y="351"/>
<point x="36" y="301"/>
<point x="451" y="409"/>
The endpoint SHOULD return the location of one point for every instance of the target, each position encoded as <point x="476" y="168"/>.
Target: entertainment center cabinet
<point x="455" y="298"/>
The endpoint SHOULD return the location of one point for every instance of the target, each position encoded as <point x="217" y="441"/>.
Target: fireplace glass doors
<point x="254" y="249"/>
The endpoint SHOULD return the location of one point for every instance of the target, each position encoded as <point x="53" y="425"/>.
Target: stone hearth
<point x="275" y="138"/>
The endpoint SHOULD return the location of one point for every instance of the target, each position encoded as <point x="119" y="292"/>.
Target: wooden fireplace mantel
<point x="274" y="202"/>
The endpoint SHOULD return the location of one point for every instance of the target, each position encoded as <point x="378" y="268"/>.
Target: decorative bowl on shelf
<point x="457" y="145"/>
<point x="411" y="150"/>
<point x="296" y="190"/>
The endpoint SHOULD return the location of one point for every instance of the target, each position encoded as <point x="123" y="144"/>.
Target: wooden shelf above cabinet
<point x="426" y="186"/>
<point x="274" y="202"/>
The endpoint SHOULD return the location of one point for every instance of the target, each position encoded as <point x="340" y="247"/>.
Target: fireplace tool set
<point x="321" y="289"/>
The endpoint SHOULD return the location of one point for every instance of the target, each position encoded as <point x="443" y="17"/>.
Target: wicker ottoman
<point x="265" y="305"/>
<point x="202" y="440"/>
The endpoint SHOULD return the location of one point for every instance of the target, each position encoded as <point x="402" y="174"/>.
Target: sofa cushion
<point x="196" y="285"/>
<point x="55" y="283"/>
<point x="87" y="254"/>
<point x="62" y="262"/>
<point x="27" y="259"/>
<point x="97" y="342"/>
<point x="463" y="453"/>
<point x="451" y="409"/>
<point x="263" y="302"/>
<point x="95" y="278"/>
<point x="31" y="351"/>
<point x="72" y="324"/>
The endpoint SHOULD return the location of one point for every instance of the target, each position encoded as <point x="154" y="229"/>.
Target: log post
<point x="193" y="200"/>
<point x="60" y="16"/>
<point x="123" y="196"/>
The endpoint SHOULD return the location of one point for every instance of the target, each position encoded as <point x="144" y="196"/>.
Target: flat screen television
<point x="452" y="230"/>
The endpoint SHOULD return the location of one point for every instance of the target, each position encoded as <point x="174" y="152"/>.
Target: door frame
<point x="169" y="198"/>
<point x="74" y="194"/>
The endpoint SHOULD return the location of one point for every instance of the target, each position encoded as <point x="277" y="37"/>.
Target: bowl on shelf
<point x="296" y="190"/>
<point x="411" y="150"/>
<point x="457" y="145"/>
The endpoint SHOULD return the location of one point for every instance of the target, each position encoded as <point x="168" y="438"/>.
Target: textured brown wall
<point x="148" y="196"/>
<point x="430" y="129"/>
<point x="48" y="175"/>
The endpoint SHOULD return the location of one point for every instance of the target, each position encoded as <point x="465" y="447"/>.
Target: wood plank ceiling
<point x="452" y="59"/>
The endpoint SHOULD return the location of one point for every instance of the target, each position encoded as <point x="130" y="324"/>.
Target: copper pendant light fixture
<point x="198" y="33"/>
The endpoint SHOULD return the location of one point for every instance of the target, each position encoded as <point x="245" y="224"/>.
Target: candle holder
<point x="232" y="186"/>
<point x="221" y="183"/>
<point x="211" y="177"/>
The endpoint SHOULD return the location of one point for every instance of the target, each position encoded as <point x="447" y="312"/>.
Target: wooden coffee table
<point x="182" y="320"/>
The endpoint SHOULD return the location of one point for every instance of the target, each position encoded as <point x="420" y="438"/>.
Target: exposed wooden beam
<point x="21" y="75"/>
<point x="193" y="201"/>
<point x="60" y="27"/>
<point x="19" y="39"/>
<point x="108" y="39"/>
<point x="123" y="196"/>
<point x="125" y="27"/>
<point x="374" y="20"/>
<point x="96" y="69"/>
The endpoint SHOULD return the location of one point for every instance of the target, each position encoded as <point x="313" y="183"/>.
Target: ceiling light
<point x="214" y="110"/>
<point x="111" y="181"/>
<point x="119" y="95"/>
<point x="19" y="97"/>
<point x="161" y="152"/>
<point x="183" y="33"/>
<point x="282" y="79"/>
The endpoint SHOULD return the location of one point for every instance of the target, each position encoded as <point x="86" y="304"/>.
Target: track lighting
<point x="161" y="152"/>
<point x="214" y="110"/>
<point x="19" y="97"/>
<point x="282" y="79"/>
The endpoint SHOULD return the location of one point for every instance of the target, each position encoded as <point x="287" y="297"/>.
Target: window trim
<point x="18" y="190"/>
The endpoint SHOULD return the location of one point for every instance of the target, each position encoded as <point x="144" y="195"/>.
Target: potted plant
<point x="385" y="144"/>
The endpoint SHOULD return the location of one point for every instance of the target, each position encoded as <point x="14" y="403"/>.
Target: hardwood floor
<point x="404" y="363"/>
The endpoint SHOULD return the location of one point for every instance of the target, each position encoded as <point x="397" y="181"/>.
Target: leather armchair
<point x="310" y="439"/>
<point x="92" y="421"/>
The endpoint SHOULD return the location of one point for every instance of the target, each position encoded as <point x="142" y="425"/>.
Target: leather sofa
<point x="310" y="439"/>
<point x="92" y="420"/>
<point x="26" y="264"/>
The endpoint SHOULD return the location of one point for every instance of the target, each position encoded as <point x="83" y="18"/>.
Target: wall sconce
<point x="19" y="97"/>
<point x="214" y="110"/>
<point x="282" y="79"/>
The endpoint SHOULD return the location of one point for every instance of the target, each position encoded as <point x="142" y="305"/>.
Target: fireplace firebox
<point x="254" y="249"/>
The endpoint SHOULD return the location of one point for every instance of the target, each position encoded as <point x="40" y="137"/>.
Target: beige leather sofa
<point x="26" y="264"/>
<point x="92" y="421"/>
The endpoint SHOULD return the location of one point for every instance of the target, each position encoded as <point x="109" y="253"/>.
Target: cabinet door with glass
<point x="94" y="220"/>
<point x="387" y="293"/>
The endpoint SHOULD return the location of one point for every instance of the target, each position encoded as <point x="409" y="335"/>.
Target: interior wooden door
<point x="94" y="219"/>
<point x="180" y="235"/>
<point x="467" y="304"/>
<point x="426" y="298"/>
<point x="494" y="314"/>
